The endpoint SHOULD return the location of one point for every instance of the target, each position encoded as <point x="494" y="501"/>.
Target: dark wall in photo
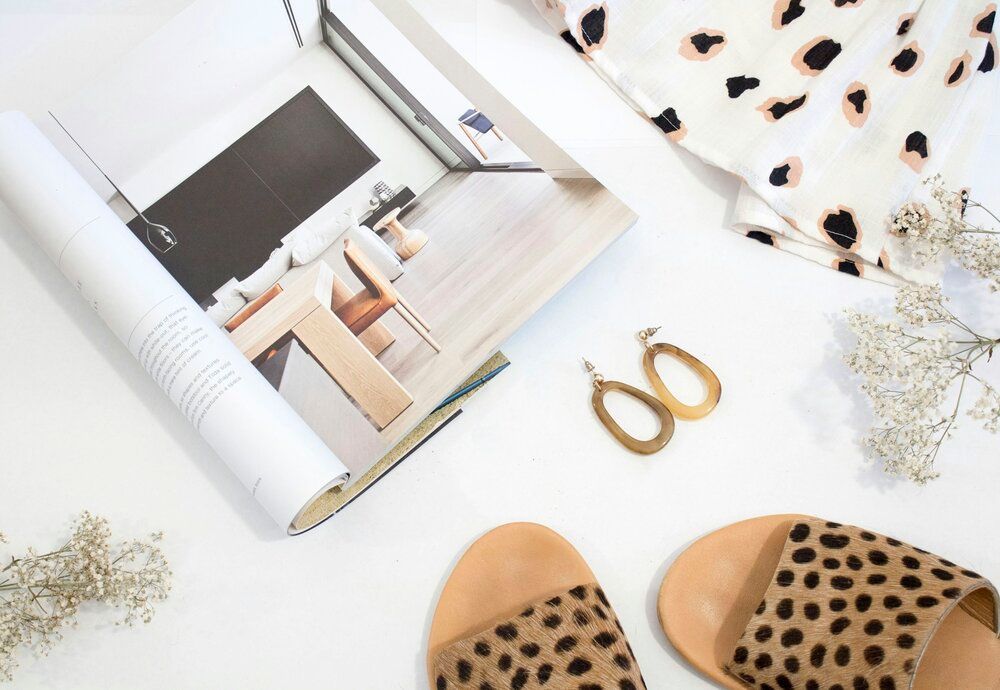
<point x="231" y="213"/>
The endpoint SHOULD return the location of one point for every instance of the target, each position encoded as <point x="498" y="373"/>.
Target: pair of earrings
<point x="664" y="405"/>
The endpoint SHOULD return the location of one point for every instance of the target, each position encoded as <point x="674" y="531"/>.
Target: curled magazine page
<point x="264" y="442"/>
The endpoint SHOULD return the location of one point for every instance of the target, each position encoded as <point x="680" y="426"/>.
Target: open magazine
<point x="314" y="230"/>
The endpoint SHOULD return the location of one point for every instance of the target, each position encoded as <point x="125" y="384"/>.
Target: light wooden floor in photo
<point x="501" y="245"/>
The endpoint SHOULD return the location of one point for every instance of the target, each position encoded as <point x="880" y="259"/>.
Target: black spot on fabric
<point x="442" y="684"/>
<point x="528" y="613"/>
<point x="812" y="685"/>
<point x="951" y="593"/>
<point x="520" y="679"/>
<point x="626" y="684"/>
<point x="849" y="267"/>
<point x="761" y="607"/>
<point x="578" y="593"/>
<point x="799" y="533"/>
<point x="783" y="682"/>
<point x="840" y="625"/>
<point x="877" y="557"/>
<point x="505" y="662"/>
<point x="905" y="641"/>
<point x="605" y="639"/>
<point x="863" y="602"/>
<point x="844" y="3"/>
<point x="817" y="655"/>
<point x="854" y="563"/>
<point x="811" y="580"/>
<point x="703" y="42"/>
<point x="779" y="176"/>
<point x="741" y="655"/>
<point x="874" y="628"/>
<point x="877" y="579"/>
<point x="782" y="108"/>
<point x="989" y="59"/>
<point x="904" y="26"/>
<point x="842" y="657"/>
<point x="622" y="662"/>
<point x="791" y="637"/>
<point x="811" y="611"/>
<point x="905" y="60"/>
<point x="841" y="582"/>
<point x="785" y="609"/>
<point x="868" y="536"/>
<point x="834" y="541"/>
<point x="831" y="563"/>
<point x="874" y="655"/>
<point x="554" y="601"/>
<point x="571" y="40"/>
<point x="552" y="621"/>
<point x="946" y="562"/>
<point x="834" y="525"/>
<point x="892" y="602"/>
<point x="578" y="666"/>
<point x="763" y="661"/>
<point x="841" y="229"/>
<point x="985" y="25"/>
<point x="859" y="683"/>
<point x="911" y="562"/>
<point x="942" y="574"/>
<point x="822" y="54"/>
<point x="581" y="617"/>
<point x="464" y="670"/>
<point x="668" y="121"/>
<point x="785" y="577"/>
<point x="906" y="619"/>
<point x="971" y="573"/>
<point x="957" y="74"/>
<point x="506" y="631"/>
<point x="857" y="99"/>
<point x="926" y="602"/>
<point x="838" y="604"/>
<point x="887" y="683"/>
<point x="482" y="649"/>
<point x="592" y="26"/>
<point x="530" y="650"/>
<point x="880" y="264"/>
<point x="804" y="555"/>
<point x="737" y="86"/>
<point x="599" y="612"/>
<point x="544" y="673"/>
<point x="911" y="582"/>
<point x="793" y="11"/>
<point x="893" y="542"/>
<point x="792" y="664"/>
<point x="566" y="643"/>
<point x="601" y="597"/>
<point x="764" y="633"/>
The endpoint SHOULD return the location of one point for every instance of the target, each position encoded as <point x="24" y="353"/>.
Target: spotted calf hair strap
<point x="572" y="640"/>
<point x="853" y="610"/>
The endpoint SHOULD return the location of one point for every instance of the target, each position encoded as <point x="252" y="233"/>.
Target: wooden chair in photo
<point x="376" y="298"/>
<point x="475" y="125"/>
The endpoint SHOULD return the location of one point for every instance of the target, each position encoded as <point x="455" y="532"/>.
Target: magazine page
<point x="276" y="456"/>
<point x="363" y="219"/>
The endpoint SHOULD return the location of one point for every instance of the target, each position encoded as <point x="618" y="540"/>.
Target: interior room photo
<point x="364" y="232"/>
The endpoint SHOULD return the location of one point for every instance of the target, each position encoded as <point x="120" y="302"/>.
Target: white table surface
<point x="349" y="605"/>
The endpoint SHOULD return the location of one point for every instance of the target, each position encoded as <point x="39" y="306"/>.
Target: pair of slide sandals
<point x="776" y="602"/>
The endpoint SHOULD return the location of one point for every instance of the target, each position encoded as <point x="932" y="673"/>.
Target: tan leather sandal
<point x="522" y="609"/>
<point x="792" y="601"/>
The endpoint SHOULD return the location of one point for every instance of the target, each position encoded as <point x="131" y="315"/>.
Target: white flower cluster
<point x="41" y="593"/>
<point x="946" y="231"/>
<point x="911" y="367"/>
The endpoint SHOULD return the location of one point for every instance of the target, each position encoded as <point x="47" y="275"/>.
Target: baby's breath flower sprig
<point x="912" y="367"/>
<point x="945" y="229"/>
<point x="40" y="593"/>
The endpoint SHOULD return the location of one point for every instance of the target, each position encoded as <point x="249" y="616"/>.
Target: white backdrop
<point x="348" y="605"/>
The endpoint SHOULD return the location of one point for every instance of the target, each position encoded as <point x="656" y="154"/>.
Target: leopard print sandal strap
<point x="851" y="609"/>
<point x="571" y="640"/>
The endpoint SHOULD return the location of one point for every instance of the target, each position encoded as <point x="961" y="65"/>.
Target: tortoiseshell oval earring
<point x="663" y="393"/>
<point x="602" y="387"/>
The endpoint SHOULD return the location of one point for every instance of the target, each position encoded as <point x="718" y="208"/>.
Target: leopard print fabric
<point x="848" y="609"/>
<point x="572" y="640"/>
